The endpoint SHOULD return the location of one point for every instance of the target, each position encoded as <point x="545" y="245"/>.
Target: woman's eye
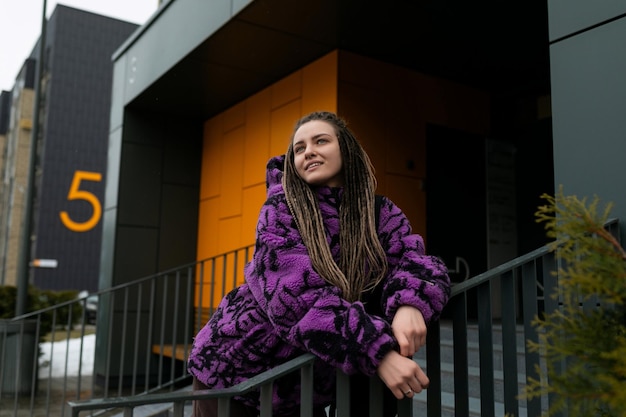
<point x="321" y="141"/>
<point x="298" y="149"/>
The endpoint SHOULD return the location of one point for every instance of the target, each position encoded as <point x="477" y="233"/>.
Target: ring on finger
<point x="409" y="392"/>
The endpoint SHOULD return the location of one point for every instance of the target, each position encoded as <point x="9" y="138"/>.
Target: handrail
<point x="154" y="314"/>
<point x="263" y="381"/>
<point x="494" y="377"/>
<point x="303" y="362"/>
<point x="612" y="225"/>
<point x="497" y="271"/>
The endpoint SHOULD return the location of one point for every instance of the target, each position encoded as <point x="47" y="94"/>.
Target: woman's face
<point x="316" y="154"/>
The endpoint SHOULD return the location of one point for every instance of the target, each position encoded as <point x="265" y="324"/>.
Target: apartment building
<point x="71" y="158"/>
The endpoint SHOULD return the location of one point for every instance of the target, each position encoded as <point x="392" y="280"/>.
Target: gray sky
<point x="20" y="26"/>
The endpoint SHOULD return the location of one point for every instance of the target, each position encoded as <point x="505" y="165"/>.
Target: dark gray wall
<point x="152" y="190"/>
<point x="588" y="63"/>
<point x="78" y="73"/>
<point x="152" y="227"/>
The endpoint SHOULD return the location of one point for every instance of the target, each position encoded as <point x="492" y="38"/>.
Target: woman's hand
<point x="409" y="329"/>
<point x="402" y="375"/>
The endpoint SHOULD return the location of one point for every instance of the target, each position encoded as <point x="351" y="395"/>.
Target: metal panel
<point x="569" y="16"/>
<point x="162" y="42"/>
<point x="588" y="101"/>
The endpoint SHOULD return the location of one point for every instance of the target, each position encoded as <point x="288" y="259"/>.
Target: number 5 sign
<point x="76" y="193"/>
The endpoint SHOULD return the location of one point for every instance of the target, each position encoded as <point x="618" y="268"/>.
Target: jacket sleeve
<point x="305" y="310"/>
<point x="414" y="278"/>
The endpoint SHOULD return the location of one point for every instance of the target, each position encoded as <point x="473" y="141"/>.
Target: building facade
<point x="70" y="166"/>
<point x="587" y="64"/>
<point x="411" y="89"/>
<point x="452" y="103"/>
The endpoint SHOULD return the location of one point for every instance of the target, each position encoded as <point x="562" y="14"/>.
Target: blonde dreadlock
<point x="362" y="260"/>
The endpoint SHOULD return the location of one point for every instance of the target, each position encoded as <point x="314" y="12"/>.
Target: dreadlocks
<point x="362" y="261"/>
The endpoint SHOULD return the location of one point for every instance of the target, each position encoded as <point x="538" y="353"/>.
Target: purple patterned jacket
<point x="285" y="308"/>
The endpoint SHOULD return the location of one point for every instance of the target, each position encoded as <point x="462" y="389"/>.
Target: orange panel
<point x="319" y="85"/>
<point x="283" y="121"/>
<point x="360" y="70"/>
<point x="211" y="159"/>
<point x="287" y="89"/>
<point x="231" y="176"/>
<point x="213" y="276"/>
<point x="362" y="109"/>
<point x="234" y="117"/>
<point x="207" y="229"/>
<point x="406" y="146"/>
<point x="238" y="144"/>
<point x="253" y="199"/>
<point x="229" y="232"/>
<point x="407" y="194"/>
<point x="388" y="108"/>
<point x="257" y="139"/>
<point x="221" y="275"/>
<point x="239" y="274"/>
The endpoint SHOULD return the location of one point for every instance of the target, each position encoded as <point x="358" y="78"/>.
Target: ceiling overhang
<point x="492" y="45"/>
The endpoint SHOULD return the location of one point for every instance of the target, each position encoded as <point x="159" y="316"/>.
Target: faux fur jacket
<point x="285" y="308"/>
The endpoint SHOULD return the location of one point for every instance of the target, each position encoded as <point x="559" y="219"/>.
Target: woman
<point x="336" y="272"/>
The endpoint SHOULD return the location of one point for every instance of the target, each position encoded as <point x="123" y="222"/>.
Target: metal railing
<point x="262" y="382"/>
<point x="139" y="330"/>
<point x="516" y="291"/>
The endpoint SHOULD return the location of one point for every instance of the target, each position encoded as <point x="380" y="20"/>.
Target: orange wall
<point x="237" y="145"/>
<point x="387" y="107"/>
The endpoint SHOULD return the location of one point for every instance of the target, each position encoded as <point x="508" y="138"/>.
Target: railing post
<point x="509" y="344"/>
<point x="433" y="366"/>
<point x="551" y="304"/>
<point x="485" y="344"/>
<point x="376" y="396"/>
<point x="223" y="407"/>
<point x="529" y="302"/>
<point x="405" y="407"/>
<point x="266" y="399"/>
<point x="343" y="395"/>
<point x="179" y="409"/>
<point x="306" y="391"/>
<point x="461" y="373"/>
